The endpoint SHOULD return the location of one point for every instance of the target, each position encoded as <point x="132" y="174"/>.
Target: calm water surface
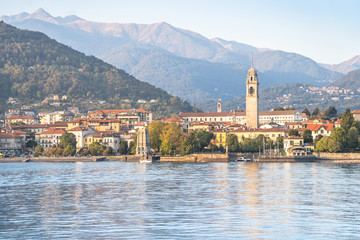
<point x="112" y="200"/>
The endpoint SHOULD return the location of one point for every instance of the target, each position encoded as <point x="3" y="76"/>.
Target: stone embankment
<point x="213" y="157"/>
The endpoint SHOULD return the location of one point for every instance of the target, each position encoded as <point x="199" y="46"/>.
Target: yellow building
<point x="197" y="126"/>
<point x="22" y="120"/>
<point x="271" y="133"/>
<point x="220" y="137"/>
<point x="97" y="124"/>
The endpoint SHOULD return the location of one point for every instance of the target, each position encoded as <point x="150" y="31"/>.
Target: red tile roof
<point x="22" y="117"/>
<point x="79" y="129"/>
<point x="259" y="130"/>
<point x="8" y="135"/>
<point x="115" y="111"/>
<point x="237" y="113"/>
<point x="53" y="131"/>
<point x="316" y="127"/>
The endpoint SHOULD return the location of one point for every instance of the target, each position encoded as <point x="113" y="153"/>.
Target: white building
<point x="49" y="138"/>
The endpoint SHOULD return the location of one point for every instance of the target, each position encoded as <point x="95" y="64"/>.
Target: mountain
<point x="349" y="81"/>
<point x="33" y="66"/>
<point x="181" y="62"/>
<point x="345" y="67"/>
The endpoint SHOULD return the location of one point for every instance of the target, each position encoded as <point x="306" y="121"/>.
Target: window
<point x="251" y="91"/>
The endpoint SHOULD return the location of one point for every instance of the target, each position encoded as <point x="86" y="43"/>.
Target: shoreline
<point x="197" y="158"/>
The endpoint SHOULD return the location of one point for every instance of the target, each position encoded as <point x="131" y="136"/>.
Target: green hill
<point x="33" y="66"/>
<point x="351" y="80"/>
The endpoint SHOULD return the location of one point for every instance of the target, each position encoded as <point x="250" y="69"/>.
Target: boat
<point x="243" y="159"/>
<point x="145" y="160"/>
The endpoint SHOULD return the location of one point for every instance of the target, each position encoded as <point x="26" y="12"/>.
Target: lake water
<point x="112" y="200"/>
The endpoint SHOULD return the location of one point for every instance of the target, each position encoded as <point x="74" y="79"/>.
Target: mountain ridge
<point x="106" y="40"/>
<point x="33" y="66"/>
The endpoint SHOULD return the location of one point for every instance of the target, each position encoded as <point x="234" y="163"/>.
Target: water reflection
<point x="110" y="200"/>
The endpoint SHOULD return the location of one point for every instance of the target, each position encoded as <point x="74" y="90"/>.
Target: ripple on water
<point x="111" y="200"/>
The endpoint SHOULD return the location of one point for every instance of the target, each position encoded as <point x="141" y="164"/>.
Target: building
<point x="197" y="126"/>
<point x="271" y="133"/>
<point x="220" y="137"/>
<point x="219" y="105"/>
<point x="21" y="120"/>
<point x="49" y="138"/>
<point x="294" y="125"/>
<point x="80" y="133"/>
<point x="356" y="115"/>
<point x="294" y="146"/>
<point x="320" y="129"/>
<point x="108" y="139"/>
<point x="238" y="117"/>
<point x="143" y="142"/>
<point x="50" y="118"/>
<point x="101" y="125"/>
<point x="127" y="116"/>
<point x="252" y="99"/>
<point x="10" y="143"/>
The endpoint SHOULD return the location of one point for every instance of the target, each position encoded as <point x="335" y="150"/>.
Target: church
<point x="251" y="118"/>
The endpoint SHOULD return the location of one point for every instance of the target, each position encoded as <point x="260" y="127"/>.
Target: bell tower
<point x="252" y="98"/>
<point x="219" y="105"/>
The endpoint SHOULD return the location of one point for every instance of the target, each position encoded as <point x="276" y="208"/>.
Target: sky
<point x="325" y="30"/>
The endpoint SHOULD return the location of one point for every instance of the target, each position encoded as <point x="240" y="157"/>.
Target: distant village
<point x="22" y="129"/>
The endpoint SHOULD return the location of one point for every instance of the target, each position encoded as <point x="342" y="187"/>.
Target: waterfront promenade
<point x="317" y="157"/>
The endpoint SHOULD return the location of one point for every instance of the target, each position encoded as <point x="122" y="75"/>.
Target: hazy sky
<point x="324" y="30"/>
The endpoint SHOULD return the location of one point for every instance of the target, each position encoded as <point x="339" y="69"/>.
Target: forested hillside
<point x="33" y="66"/>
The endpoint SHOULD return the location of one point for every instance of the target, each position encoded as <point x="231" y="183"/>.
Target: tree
<point x="108" y="151"/>
<point x="250" y="145"/>
<point x="331" y="112"/>
<point x="31" y="144"/>
<point x="307" y="136"/>
<point x="279" y="109"/>
<point x="95" y="149"/>
<point x="315" y="112"/>
<point x="347" y="120"/>
<point x="38" y="151"/>
<point x="50" y="152"/>
<point x="67" y="139"/>
<point x="123" y="148"/>
<point x="327" y="144"/>
<point x="155" y="130"/>
<point x="196" y="142"/>
<point x="232" y="143"/>
<point x="69" y="151"/>
<point x="280" y="142"/>
<point x="306" y="111"/>
<point x="132" y="147"/>
<point x="318" y="138"/>
<point x="173" y="136"/>
<point x="293" y="132"/>
<point x="352" y="138"/>
<point x="339" y="135"/>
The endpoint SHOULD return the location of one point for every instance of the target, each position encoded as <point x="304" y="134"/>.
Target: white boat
<point x="243" y="159"/>
<point x="145" y="161"/>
